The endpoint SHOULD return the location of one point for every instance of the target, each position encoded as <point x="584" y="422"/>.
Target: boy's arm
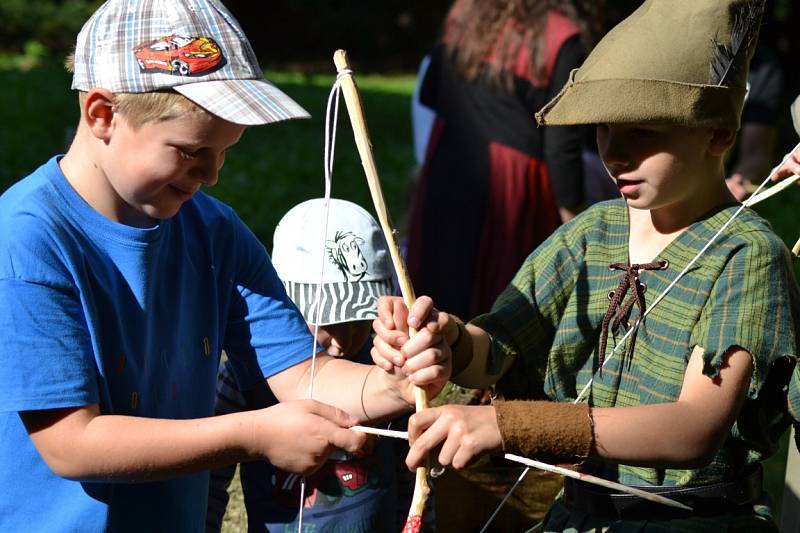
<point x="82" y="444"/>
<point x="681" y="434"/>
<point x="365" y="391"/>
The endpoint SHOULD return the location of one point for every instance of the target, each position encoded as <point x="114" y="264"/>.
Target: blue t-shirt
<point x="132" y="319"/>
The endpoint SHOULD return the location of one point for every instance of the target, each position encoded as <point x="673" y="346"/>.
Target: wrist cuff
<point x="461" y="348"/>
<point x="549" y="431"/>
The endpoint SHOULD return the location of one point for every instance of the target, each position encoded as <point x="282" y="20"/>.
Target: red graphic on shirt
<point x="178" y="54"/>
<point x="328" y="485"/>
<point x="354" y="476"/>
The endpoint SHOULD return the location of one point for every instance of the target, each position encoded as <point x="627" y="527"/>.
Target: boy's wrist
<point x="461" y="347"/>
<point x="551" y="431"/>
<point x="392" y="392"/>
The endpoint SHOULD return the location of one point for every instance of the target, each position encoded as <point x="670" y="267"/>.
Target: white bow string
<point x="331" y="121"/>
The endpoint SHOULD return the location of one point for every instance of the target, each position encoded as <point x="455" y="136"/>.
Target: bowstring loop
<point x="331" y="122"/>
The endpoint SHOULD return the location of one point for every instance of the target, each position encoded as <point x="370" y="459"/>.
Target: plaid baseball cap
<point x="357" y="270"/>
<point x="195" y="47"/>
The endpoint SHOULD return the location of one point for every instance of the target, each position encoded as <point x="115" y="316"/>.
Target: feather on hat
<point x="682" y="62"/>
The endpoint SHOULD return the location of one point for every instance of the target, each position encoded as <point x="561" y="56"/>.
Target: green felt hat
<point x="796" y="114"/>
<point x="681" y="62"/>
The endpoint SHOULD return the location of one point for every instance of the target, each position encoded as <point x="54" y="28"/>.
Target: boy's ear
<point x="721" y="141"/>
<point x="98" y="112"/>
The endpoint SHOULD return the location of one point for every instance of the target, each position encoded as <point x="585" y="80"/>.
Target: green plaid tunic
<point x="741" y="292"/>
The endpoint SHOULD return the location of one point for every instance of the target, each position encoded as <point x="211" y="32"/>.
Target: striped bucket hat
<point x="357" y="267"/>
<point x="195" y="47"/>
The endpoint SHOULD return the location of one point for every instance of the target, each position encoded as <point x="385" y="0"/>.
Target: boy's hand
<point x="426" y="358"/>
<point x="464" y="431"/>
<point x="789" y="167"/>
<point x="299" y="435"/>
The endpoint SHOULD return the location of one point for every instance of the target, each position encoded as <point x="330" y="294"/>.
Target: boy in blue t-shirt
<point x="354" y="493"/>
<point x="121" y="283"/>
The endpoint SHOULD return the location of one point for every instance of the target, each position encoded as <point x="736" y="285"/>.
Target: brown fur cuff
<point x="548" y="431"/>
<point x="461" y="347"/>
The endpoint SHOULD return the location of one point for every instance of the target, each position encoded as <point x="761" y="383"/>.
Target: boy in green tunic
<point x="686" y="401"/>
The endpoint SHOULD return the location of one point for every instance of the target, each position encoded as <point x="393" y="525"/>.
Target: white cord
<point x="686" y="269"/>
<point x="647" y="312"/>
<point x="330" y="144"/>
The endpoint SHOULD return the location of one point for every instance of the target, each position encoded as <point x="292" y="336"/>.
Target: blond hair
<point x="140" y="108"/>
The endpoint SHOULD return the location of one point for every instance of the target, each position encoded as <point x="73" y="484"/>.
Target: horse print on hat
<point x="345" y="252"/>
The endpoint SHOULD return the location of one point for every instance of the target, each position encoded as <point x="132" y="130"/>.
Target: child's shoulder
<point x="609" y="217"/>
<point x="742" y="241"/>
<point x="749" y="230"/>
<point x="24" y="205"/>
<point x="32" y="226"/>
<point x="608" y="212"/>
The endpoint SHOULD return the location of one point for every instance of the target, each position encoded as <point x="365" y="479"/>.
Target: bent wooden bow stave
<point x="356" y="113"/>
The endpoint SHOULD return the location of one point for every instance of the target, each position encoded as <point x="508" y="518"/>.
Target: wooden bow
<point x="775" y="189"/>
<point x="356" y="112"/>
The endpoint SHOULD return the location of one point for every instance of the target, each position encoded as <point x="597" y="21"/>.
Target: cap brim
<point x="246" y="102"/>
<point x="346" y="301"/>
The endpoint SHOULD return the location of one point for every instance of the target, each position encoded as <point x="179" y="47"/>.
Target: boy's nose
<point x="210" y="178"/>
<point x="208" y="169"/>
<point x="613" y="154"/>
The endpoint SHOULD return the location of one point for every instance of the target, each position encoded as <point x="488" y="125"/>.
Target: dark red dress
<point x="491" y="179"/>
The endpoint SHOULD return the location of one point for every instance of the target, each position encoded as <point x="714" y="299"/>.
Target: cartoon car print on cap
<point x="180" y="55"/>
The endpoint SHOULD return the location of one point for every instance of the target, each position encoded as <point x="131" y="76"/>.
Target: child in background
<point x="695" y="398"/>
<point x="353" y="493"/>
<point x="121" y="283"/>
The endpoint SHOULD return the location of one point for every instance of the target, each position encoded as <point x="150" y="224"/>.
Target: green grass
<point x="277" y="166"/>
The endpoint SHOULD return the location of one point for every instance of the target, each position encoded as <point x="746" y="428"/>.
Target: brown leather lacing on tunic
<point x="638" y="288"/>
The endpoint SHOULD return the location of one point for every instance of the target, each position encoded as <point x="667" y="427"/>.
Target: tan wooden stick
<point x="775" y="189"/>
<point x="356" y="112"/>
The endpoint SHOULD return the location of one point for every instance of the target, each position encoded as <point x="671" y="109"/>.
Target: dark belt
<point x="705" y="500"/>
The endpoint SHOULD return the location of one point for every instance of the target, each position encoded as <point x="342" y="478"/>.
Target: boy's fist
<point x="299" y="435"/>
<point x="424" y="358"/>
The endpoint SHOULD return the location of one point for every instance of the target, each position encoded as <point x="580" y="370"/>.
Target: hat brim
<point x="245" y="102"/>
<point x="345" y="301"/>
<point x="615" y="101"/>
